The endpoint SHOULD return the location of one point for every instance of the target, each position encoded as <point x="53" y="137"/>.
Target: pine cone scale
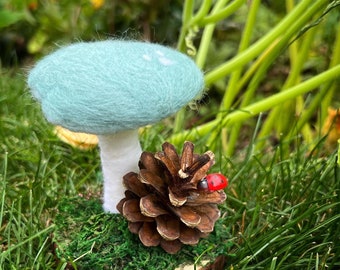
<point x="199" y="198"/>
<point x="171" y="247"/>
<point x="149" y="178"/>
<point x="171" y="153"/>
<point x="201" y="172"/>
<point x="208" y="215"/>
<point x="198" y="164"/>
<point x="189" y="236"/>
<point x="175" y="200"/>
<point x="168" y="227"/>
<point x="147" y="236"/>
<point x="167" y="162"/>
<point x="132" y="183"/>
<point x="150" y="163"/>
<point x="187" y="215"/>
<point x="131" y="212"/>
<point x="187" y="156"/>
<point x="150" y="206"/>
<point x="134" y="227"/>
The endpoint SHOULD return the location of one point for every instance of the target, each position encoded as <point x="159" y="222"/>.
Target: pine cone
<point x="164" y="203"/>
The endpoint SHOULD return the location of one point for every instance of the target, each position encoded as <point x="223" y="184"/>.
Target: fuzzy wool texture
<point x="119" y="153"/>
<point x="103" y="87"/>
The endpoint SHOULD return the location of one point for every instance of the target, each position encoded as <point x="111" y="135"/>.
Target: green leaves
<point x="8" y="17"/>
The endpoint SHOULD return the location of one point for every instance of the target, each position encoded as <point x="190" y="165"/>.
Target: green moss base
<point x="87" y="238"/>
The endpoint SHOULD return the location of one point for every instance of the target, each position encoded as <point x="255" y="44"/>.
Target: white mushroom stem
<point x="119" y="153"/>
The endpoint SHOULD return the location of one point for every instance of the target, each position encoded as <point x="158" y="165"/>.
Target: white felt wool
<point x="119" y="154"/>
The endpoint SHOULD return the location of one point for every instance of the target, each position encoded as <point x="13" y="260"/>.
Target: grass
<point x="281" y="212"/>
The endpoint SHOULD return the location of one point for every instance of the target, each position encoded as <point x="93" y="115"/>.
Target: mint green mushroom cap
<point x="108" y="86"/>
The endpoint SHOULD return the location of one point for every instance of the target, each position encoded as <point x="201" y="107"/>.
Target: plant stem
<point x="233" y="87"/>
<point x="203" y="11"/>
<point x="266" y="60"/>
<point x="260" y="106"/>
<point x="276" y="118"/>
<point x="323" y="97"/>
<point x="335" y="59"/>
<point x="181" y="46"/>
<point x="186" y="17"/>
<point x="206" y="37"/>
<point x="262" y="64"/>
<point x="222" y="14"/>
<point x="274" y="100"/>
<point x="205" y="41"/>
<point x="241" y="59"/>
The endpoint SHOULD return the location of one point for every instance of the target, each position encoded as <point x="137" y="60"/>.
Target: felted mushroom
<point x="110" y="88"/>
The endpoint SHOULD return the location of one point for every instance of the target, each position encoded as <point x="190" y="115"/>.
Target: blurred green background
<point x="32" y="27"/>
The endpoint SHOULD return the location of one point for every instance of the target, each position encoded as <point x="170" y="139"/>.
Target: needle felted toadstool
<point x="111" y="88"/>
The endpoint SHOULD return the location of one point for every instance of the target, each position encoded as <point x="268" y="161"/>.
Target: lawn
<point x="271" y="77"/>
<point x="282" y="212"/>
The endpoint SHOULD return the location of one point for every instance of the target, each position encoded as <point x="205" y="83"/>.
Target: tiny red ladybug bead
<point x="213" y="182"/>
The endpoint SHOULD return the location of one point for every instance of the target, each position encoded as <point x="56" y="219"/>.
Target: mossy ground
<point x="88" y="238"/>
